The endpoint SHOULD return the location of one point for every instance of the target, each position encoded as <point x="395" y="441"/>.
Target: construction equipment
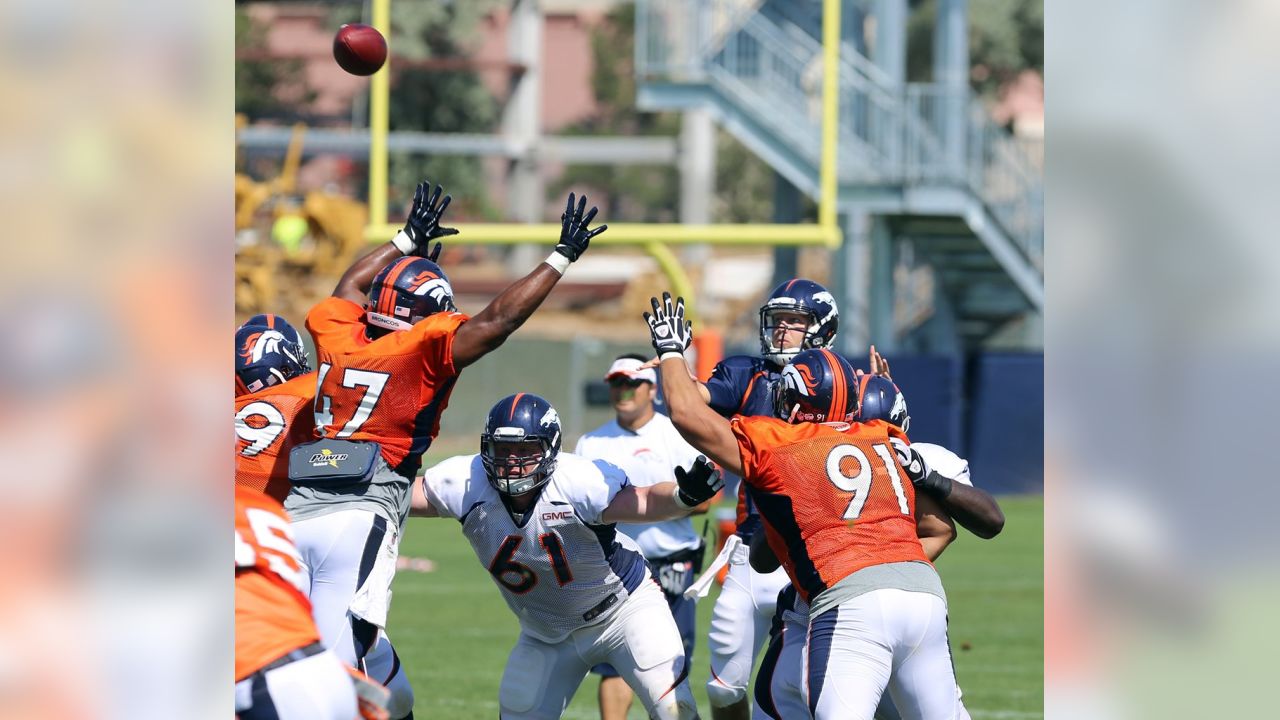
<point x="280" y="236"/>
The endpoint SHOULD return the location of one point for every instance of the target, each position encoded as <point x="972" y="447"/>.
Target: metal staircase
<point x="926" y="159"/>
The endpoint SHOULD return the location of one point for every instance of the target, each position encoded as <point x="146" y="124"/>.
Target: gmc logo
<point x="559" y="515"/>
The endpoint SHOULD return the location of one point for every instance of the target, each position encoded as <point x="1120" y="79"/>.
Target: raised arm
<point x="488" y="329"/>
<point x="700" y="426"/>
<point x="421" y="227"/>
<point x="703" y="390"/>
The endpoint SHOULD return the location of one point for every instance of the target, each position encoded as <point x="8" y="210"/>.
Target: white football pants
<point x="383" y="665"/>
<point x="740" y="623"/>
<point x="313" y="688"/>
<point x="350" y="560"/>
<point x="888" y="638"/>
<point x="781" y="693"/>
<point x="640" y="641"/>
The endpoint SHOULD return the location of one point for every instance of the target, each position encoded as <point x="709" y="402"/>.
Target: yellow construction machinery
<point x="281" y="237"/>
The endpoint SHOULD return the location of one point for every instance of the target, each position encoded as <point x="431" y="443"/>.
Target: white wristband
<point x="558" y="262"/>
<point x="403" y="243"/>
<point x="679" y="502"/>
<point x="670" y="354"/>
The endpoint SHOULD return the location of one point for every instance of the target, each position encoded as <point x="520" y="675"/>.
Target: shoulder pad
<point x="458" y="467"/>
<point x="740" y="362"/>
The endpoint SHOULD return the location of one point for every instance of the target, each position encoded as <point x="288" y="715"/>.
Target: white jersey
<point x="945" y="462"/>
<point x="564" y="569"/>
<point x="649" y="456"/>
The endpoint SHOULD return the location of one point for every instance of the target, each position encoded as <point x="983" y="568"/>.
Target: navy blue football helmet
<point x="406" y="291"/>
<point x="816" y="386"/>
<point x="880" y="399"/>
<point x="523" y="430"/>
<point x="804" y="297"/>
<point x="269" y="351"/>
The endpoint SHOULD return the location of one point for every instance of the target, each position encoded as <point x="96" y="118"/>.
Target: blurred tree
<point x="265" y="88"/>
<point x="744" y="184"/>
<point x="635" y="193"/>
<point x="650" y="193"/>
<point x="1005" y="38"/>
<point x="431" y="99"/>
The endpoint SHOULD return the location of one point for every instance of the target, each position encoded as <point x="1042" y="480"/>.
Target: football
<point x="359" y="49"/>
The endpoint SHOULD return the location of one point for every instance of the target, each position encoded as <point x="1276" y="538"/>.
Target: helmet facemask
<point x="770" y="325"/>
<point x="516" y="464"/>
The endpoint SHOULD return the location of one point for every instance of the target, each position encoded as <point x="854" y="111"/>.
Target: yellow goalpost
<point x="654" y="238"/>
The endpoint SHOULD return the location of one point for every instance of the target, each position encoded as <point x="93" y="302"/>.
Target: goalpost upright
<point x="653" y="237"/>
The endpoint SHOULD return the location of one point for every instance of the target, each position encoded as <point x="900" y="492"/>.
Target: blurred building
<point x="304" y="31"/>
<point x="940" y="193"/>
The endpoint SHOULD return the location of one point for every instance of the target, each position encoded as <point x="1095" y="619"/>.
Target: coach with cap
<point x="645" y="444"/>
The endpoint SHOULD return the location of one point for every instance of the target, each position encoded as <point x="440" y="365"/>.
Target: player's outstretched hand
<point x="668" y="330"/>
<point x="423" y="224"/>
<point x="698" y="484"/>
<point x="879" y="366"/>
<point x="575" y="236"/>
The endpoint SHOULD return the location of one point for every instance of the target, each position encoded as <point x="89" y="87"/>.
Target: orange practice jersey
<point x="391" y="390"/>
<point x="269" y="423"/>
<point x="833" y="498"/>
<point x="273" y="616"/>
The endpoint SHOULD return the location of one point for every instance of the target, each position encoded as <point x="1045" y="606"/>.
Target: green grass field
<point x="453" y="630"/>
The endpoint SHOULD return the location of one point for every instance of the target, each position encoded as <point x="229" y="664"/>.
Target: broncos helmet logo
<point x="801" y="378"/>
<point x="829" y="299"/>
<point x="267" y="342"/>
<point x="421" y="279"/>
<point x="899" y="406"/>
<point x="551" y="419"/>
<point x="434" y="286"/>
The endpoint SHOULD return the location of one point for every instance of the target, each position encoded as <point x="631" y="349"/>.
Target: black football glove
<point x="921" y="475"/>
<point x="423" y="224"/>
<point x="698" y="484"/>
<point x="574" y="234"/>
<point x="668" y="330"/>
